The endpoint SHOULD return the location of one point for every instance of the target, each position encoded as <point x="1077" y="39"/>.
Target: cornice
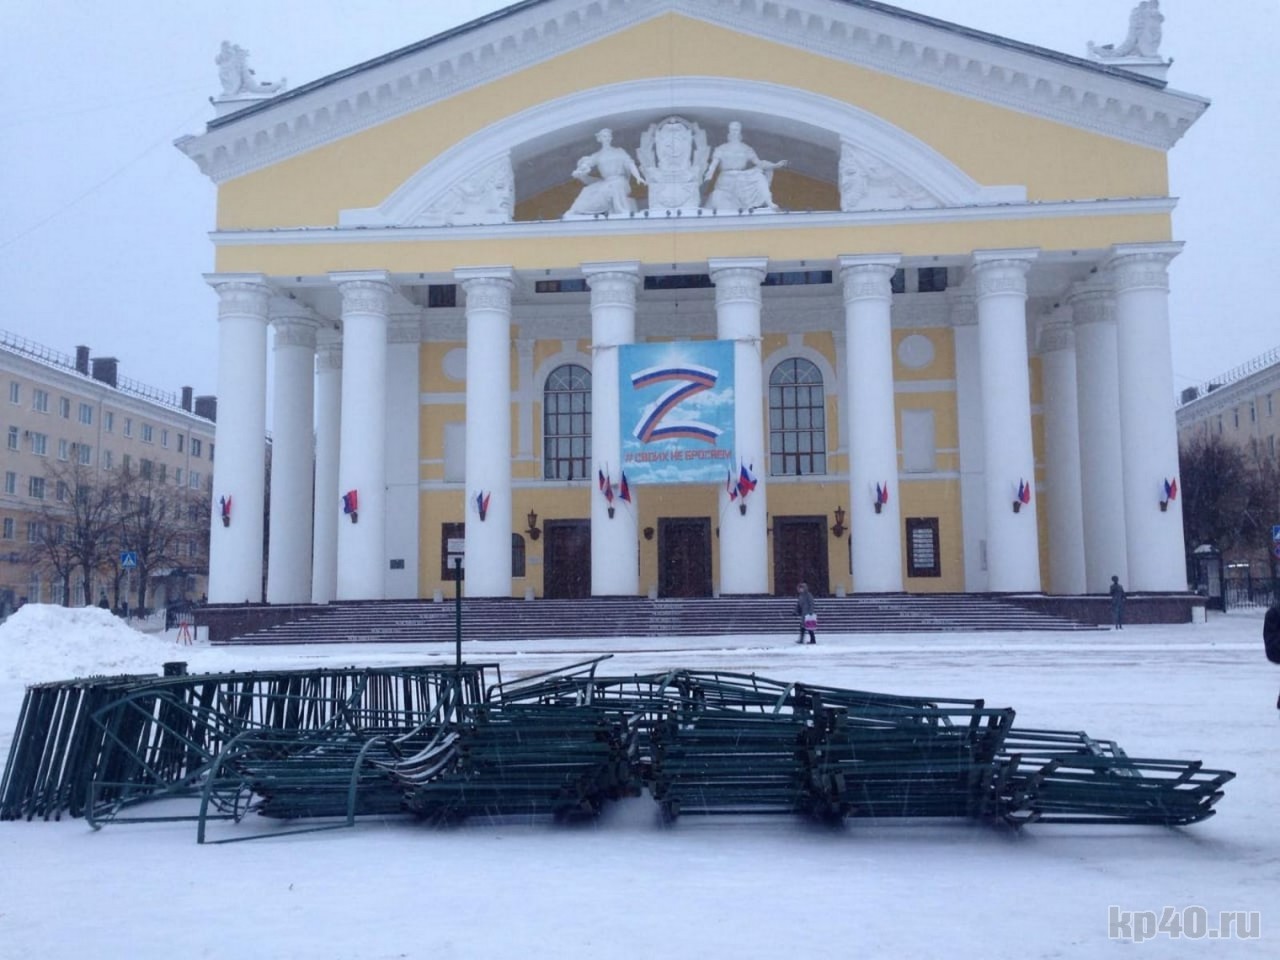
<point x="1055" y="86"/>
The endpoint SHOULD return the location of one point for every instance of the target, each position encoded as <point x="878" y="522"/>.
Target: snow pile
<point x="43" y="642"/>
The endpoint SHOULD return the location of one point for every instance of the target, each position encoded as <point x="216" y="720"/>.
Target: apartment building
<point x="1242" y="406"/>
<point x="62" y="411"/>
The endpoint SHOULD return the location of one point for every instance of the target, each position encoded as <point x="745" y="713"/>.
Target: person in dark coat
<point x="1271" y="636"/>
<point x="804" y="609"/>
<point x="1117" y="603"/>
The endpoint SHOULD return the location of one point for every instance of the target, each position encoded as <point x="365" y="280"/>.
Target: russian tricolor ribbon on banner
<point x="481" y="503"/>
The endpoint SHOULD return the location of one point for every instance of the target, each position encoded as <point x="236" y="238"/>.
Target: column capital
<point x="486" y="288"/>
<point x="738" y="279"/>
<point x="1055" y="330"/>
<point x="1141" y="266"/>
<point x="868" y="277"/>
<point x="613" y="284"/>
<point x="364" y="291"/>
<point x="241" y="294"/>
<point x="997" y="272"/>
<point x="1092" y="301"/>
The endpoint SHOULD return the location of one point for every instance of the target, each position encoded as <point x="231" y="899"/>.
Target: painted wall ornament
<point x="868" y="183"/>
<point x="745" y="182"/>
<point x="611" y="192"/>
<point x="486" y="195"/>
<point x="673" y="155"/>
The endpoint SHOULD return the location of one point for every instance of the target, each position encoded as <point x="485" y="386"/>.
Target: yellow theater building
<point x="697" y="297"/>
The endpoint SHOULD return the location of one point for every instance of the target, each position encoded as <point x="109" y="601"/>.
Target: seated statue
<point x="612" y="193"/>
<point x="1143" y="39"/>
<point x="746" y="181"/>
<point x="236" y="76"/>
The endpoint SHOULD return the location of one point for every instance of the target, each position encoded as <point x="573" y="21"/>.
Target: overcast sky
<point x="103" y="223"/>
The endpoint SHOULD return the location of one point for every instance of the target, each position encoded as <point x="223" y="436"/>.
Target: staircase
<point x="420" y="621"/>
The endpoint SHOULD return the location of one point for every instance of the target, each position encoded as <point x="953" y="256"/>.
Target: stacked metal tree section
<point x="314" y="749"/>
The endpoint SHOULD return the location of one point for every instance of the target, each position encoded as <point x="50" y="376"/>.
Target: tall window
<point x="566" y="424"/>
<point x="40" y="400"/>
<point x="797" y="419"/>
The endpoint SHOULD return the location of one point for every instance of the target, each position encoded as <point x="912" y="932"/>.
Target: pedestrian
<point x="804" y="609"/>
<point x="1117" y="603"/>
<point x="1271" y="636"/>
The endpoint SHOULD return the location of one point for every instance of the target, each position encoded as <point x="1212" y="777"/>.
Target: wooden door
<point x="566" y="557"/>
<point x="684" y="557"/>
<point x="800" y="555"/>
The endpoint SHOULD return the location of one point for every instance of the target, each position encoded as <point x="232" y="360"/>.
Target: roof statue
<point x="745" y="181"/>
<point x="237" y="77"/>
<point x="611" y="194"/>
<point x="673" y="155"/>
<point x="1143" y="39"/>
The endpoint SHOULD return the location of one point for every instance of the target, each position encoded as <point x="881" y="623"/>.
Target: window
<point x="126" y="462"/>
<point x="1219" y="424"/>
<point x="107" y="459"/>
<point x="1235" y="415"/>
<point x="109" y="421"/>
<point x="35" y="531"/>
<point x="8" y="528"/>
<point x="40" y="401"/>
<point x="442" y="295"/>
<point x="164" y="438"/>
<point x="566" y="423"/>
<point x="195" y="447"/>
<point x="178" y="476"/>
<point x="13" y="438"/>
<point x="144" y="468"/>
<point x="922" y="547"/>
<point x="1253" y="413"/>
<point x="64" y="448"/>
<point x="932" y="279"/>
<point x="797" y="419"/>
<point x="181" y="438"/>
<point x="194" y="480"/>
<point x="517" y="555"/>
<point x="39" y="444"/>
<point x="15" y="392"/>
<point x="35" y="488"/>
<point x="163" y="475"/>
<point x="211" y="453"/>
<point x="148" y="433"/>
<point x="571" y="285"/>
<point x="10" y="482"/>
<point x="128" y="426"/>
<point x="84" y="454"/>
<point x="64" y="408"/>
<point x="61" y="491"/>
<point x="86" y="414"/>
<point x="1271" y="412"/>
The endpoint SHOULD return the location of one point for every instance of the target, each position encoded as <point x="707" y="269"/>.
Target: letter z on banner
<point x="676" y="408"/>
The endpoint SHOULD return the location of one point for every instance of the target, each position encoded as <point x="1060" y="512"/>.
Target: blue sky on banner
<point x="676" y="410"/>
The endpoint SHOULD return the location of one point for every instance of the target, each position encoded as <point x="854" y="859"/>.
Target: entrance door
<point x="800" y="555"/>
<point x="566" y="560"/>
<point x="684" y="557"/>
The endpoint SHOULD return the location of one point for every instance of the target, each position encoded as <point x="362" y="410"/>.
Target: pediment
<point x="873" y="164"/>
<point x="1062" y="88"/>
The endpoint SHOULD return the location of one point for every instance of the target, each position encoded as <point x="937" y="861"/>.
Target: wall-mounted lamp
<point x="839" y="528"/>
<point x="533" y="531"/>
<point x="648" y="533"/>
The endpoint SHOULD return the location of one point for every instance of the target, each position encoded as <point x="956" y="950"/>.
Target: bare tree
<point x="152" y="524"/>
<point x="85" y="506"/>
<point x="1215" y="491"/>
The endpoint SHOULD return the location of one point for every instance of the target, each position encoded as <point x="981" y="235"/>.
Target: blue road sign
<point x="129" y="559"/>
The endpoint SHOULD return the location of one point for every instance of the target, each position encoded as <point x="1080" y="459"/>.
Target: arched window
<point x="797" y="419"/>
<point x="566" y="423"/>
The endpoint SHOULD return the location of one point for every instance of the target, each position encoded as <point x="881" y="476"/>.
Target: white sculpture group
<point x="235" y="75"/>
<point x="1146" y="29"/>
<point x="676" y="162"/>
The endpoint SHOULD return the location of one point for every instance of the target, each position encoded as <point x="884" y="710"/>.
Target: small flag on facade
<point x="624" y="491"/>
<point x="730" y="486"/>
<point x="882" y="493"/>
<point x="350" y="502"/>
<point x="1024" y="491"/>
<point x="602" y="480"/>
<point x="1171" y="489"/>
<point x="746" y="481"/>
<point x="482" y="504"/>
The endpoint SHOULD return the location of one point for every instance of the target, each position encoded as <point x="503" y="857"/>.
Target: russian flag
<point x="482" y="503"/>
<point x="746" y="481"/>
<point x="624" y="491"/>
<point x="1171" y="489"/>
<point x="1024" y="491"/>
<point x="602" y="481"/>
<point x="882" y="493"/>
<point x="730" y="485"/>
<point x="349" y="502"/>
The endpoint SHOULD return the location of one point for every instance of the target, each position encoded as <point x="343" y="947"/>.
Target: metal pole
<point x="457" y="611"/>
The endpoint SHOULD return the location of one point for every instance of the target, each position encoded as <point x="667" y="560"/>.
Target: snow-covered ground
<point x="628" y="887"/>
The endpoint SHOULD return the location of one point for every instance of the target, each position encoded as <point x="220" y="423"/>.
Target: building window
<point x="84" y="454"/>
<point x="64" y="408"/>
<point x="61" y="492"/>
<point x="164" y="438"/>
<point x="517" y="555"/>
<point x="35" y="531"/>
<point x="178" y="476"/>
<point x="442" y="295"/>
<point x="195" y="447"/>
<point x="148" y="433"/>
<point x="10" y="482"/>
<point x="163" y="475"/>
<point x="923" y="559"/>
<point x="566" y="423"/>
<point x="40" y="401"/>
<point x="211" y="453"/>
<point x="181" y="439"/>
<point x="64" y="448"/>
<point x="109" y="421"/>
<point x="144" y="468"/>
<point x="106" y="460"/>
<point x="8" y="528"/>
<point x="86" y="414"/>
<point x="39" y="444"/>
<point x="13" y="438"/>
<point x="126" y="462"/>
<point x="194" y="480"/>
<point x="797" y="419"/>
<point x="1235" y="416"/>
<point x="571" y="285"/>
<point x="932" y="279"/>
<point x="15" y="392"/>
<point x="35" y="488"/>
<point x="128" y="426"/>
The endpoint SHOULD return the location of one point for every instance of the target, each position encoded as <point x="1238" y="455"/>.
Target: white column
<point x="973" y="490"/>
<point x="1148" y="431"/>
<point x="744" y="532"/>
<point x="615" y="557"/>
<point x="235" y="549"/>
<point x="873" y="446"/>
<point x="289" y="562"/>
<point x="488" y="444"/>
<point x="362" y="457"/>
<point x="324" y="550"/>
<point x="1101" y="467"/>
<point x="1013" y="555"/>
<point x="404" y="337"/>
<point x="1062" y="453"/>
